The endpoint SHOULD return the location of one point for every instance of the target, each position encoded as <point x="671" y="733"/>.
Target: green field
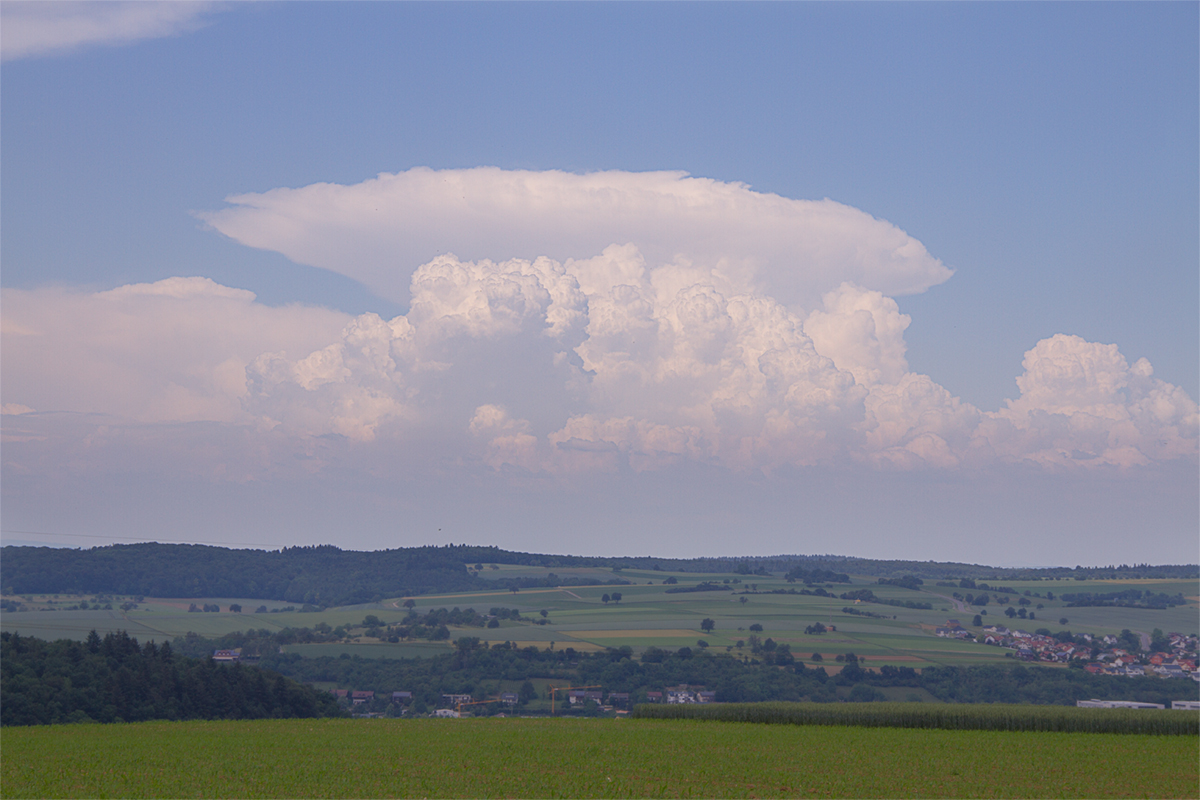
<point x="648" y="615"/>
<point x="582" y="758"/>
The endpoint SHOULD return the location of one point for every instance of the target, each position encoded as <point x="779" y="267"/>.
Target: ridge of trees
<point x="115" y="679"/>
<point x="326" y="575"/>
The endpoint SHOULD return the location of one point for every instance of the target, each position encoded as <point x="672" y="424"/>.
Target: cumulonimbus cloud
<point x="29" y="28"/>
<point x="589" y="365"/>
<point x="694" y="230"/>
<point x="602" y="322"/>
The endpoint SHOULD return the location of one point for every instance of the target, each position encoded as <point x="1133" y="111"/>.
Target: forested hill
<point x="322" y="576"/>
<point x="326" y="575"/>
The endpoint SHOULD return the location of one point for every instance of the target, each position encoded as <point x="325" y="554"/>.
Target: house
<point x="953" y="624"/>
<point x="447" y="712"/>
<point x="227" y="656"/>
<point x="618" y="699"/>
<point x="706" y="697"/>
<point x="681" y="694"/>
<point x="401" y="697"/>
<point x="580" y="696"/>
<point x="455" y="699"/>
<point x="358" y="698"/>
<point x="654" y="697"/>
<point x="944" y="632"/>
<point x="510" y="698"/>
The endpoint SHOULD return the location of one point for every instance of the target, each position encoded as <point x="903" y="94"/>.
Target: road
<point x="959" y="605"/>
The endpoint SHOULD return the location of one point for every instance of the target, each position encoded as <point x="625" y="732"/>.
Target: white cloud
<point x="566" y="369"/>
<point x="42" y="28"/>
<point x="170" y="351"/>
<point x="1082" y="404"/>
<point x="863" y="332"/>
<point x="688" y="230"/>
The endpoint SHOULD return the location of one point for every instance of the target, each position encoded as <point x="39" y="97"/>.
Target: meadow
<point x="583" y="758"/>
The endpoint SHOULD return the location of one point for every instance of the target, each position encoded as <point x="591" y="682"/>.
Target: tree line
<point x="115" y="679"/>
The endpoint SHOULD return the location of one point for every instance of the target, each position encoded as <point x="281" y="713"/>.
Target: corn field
<point x="1064" y="719"/>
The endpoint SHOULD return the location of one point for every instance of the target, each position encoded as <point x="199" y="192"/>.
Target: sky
<point x="891" y="280"/>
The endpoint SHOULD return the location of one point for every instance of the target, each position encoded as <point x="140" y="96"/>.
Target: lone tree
<point x="978" y="621"/>
<point x="605" y="598"/>
<point x="616" y="597"/>
<point x="707" y="625"/>
<point x="410" y="604"/>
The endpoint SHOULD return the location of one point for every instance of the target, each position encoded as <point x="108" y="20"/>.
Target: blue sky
<point x="1046" y="153"/>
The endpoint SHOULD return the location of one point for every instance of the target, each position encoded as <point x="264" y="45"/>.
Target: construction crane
<point x="462" y="703"/>
<point x="554" y="689"/>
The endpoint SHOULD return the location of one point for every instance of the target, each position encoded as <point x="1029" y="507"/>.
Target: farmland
<point x="583" y="758"/>
<point x="647" y="615"/>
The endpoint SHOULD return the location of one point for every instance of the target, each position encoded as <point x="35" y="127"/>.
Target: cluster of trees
<point x="906" y="581"/>
<point x="1129" y="598"/>
<point x="208" y="607"/>
<point x="115" y="679"/>
<point x="705" y="586"/>
<point x="815" y="575"/>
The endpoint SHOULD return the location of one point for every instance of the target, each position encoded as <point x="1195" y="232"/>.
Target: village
<point x="1107" y="655"/>
<point x="457" y="705"/>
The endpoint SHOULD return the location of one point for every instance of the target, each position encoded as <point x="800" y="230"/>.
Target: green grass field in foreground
<point x="582" y="758"/>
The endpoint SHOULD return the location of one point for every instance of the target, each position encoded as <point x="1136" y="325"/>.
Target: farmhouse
<point x="401" y="697"/>
<point x="227" y="656"/>
<point x="358" y="698"/>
